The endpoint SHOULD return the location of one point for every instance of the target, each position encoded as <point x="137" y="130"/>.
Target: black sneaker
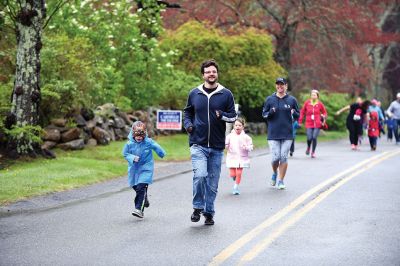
<point x="209" y="219"/>
<point x="196" y="215"/>
<point x="146" y="203"/>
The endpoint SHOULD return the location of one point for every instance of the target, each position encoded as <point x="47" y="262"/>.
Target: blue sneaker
<point x="273" y="179"/>
<point x="281" y="185"/>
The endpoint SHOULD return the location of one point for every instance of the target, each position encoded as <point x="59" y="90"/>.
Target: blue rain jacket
<point x="141" y="171"/>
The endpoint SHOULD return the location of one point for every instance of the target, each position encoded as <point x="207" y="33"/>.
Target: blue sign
<point x="169" y="119"/>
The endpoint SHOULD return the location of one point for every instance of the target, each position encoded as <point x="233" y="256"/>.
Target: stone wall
<point x="256" y="128"/>
<point x="97" y="127"/>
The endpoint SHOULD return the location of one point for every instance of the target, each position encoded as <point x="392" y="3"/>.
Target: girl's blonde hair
<point x="315" y="91"/>
<point x="241" y="120"/>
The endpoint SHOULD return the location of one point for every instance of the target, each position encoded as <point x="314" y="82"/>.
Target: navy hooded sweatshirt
<point x="199" y="113"/>
<point x="280" y="122"/>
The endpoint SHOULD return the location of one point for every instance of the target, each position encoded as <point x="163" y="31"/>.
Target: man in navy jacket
<point x="208" y="108"/>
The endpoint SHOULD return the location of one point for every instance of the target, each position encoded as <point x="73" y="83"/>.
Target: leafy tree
<point x="95" y="51"/>
<point x="28" y="18"/>
<point x="125" y="39"/>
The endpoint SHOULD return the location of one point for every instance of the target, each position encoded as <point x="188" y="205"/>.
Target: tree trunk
<point x="26" y="93"/>
<point x="385" y="63"/>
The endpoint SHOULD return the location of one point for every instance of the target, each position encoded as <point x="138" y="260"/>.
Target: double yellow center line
<point x="335" y="182"/>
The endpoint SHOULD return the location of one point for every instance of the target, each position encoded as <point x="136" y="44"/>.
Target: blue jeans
<point x="396" y="129"/>
<point x="206" y="163"/>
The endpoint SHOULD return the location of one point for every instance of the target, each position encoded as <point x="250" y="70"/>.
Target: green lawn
<point x="73" y="169"/>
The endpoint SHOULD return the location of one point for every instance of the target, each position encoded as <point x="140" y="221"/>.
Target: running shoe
<point x="137" y="213"/>
<point x="313" y="155"/>
<point x="273" y="179"/>
<point x="308" y="151"/>
<point x="236" y="191"/>
<point x="281" y="185"/>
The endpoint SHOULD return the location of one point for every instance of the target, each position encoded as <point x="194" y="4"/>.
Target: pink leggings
<point x="237" y="173"/>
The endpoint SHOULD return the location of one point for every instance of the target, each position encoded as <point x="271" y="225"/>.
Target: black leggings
<point x="372" y="142"/>
<point x="355" y="130"/>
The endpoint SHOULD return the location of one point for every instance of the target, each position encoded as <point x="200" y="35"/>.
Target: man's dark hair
<point x="208" y="63"/>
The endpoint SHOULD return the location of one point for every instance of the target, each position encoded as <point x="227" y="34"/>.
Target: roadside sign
<point x="169" y="119"/>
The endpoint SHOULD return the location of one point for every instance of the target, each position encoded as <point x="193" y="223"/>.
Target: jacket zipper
<point x="208" y="113"/>
<point x="209" y="124"/>
<point x="313" y="113"/>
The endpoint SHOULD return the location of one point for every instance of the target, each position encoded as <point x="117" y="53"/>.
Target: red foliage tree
<point x="323" y="44"/>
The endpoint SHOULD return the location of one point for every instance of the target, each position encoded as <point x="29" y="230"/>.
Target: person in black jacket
<point x="208" y="108"/>
<point x="355" y="120"/>
<point x="279" y="110"/>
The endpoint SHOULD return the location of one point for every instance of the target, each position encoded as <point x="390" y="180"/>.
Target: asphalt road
<point x="341" y="208"/>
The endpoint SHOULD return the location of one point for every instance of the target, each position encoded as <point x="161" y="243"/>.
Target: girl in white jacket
<point x="238" y="144"/>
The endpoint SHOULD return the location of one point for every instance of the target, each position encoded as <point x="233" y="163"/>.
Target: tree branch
<point x="236" y="11"/>
<point x="11" y="11"/>
<point x="60" y="4"/>
<point x="20" y="4"/>
<point x="270" y="12"/>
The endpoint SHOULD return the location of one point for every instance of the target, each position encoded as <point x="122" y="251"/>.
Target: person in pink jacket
<point x="238" y="144"/>
<point x="315" y="114"/>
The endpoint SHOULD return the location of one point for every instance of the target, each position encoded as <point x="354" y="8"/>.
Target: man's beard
<point x="212" y="82"/>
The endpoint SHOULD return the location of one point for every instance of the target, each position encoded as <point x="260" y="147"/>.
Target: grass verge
<point x="72" y="169"/>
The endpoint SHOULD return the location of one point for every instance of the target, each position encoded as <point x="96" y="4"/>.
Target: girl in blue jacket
<point x="138" y="152"/>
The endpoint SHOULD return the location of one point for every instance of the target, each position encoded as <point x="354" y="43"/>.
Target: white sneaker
<point x="137" y="213"/>
<point x="281" y="185"/>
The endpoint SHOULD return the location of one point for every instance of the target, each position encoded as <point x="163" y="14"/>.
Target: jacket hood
<point x="219" y="87"/>
<point x="374" y="115"/>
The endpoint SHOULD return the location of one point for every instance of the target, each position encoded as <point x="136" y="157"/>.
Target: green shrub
<point x="59" y="97"/>
<point x="250" y="85"/>
<point x="176" y="88"/>
<point x="246" y="63"/>
<point x="74" y="75"/>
